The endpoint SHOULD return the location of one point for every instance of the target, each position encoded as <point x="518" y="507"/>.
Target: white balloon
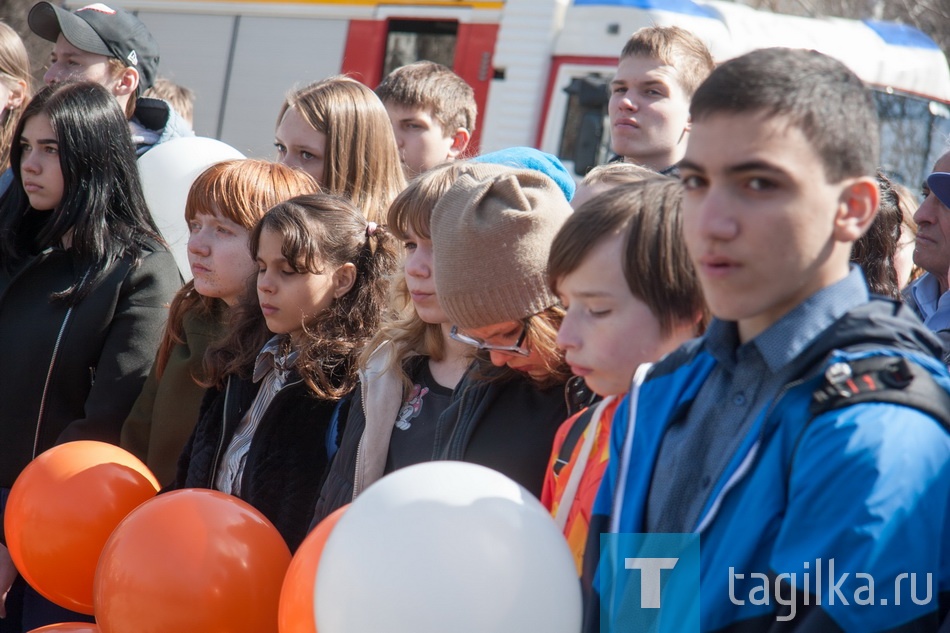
<point x="447" y="547"/>
<point x="167" y="172"/>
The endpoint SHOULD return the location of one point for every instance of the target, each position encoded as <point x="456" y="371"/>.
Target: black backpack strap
<point x="577" y="395"/>
<point x="573" y="435"/>
<point x="892" y="379"/>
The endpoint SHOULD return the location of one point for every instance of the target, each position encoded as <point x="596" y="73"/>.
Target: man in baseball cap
<point x="111" y="47"/>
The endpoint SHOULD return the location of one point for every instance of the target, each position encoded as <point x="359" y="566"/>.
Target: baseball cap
<point x="939" y="184"/>
<point x="98" y="28"/>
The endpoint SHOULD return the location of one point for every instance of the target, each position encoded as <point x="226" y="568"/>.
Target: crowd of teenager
<point x="733" y="330"/>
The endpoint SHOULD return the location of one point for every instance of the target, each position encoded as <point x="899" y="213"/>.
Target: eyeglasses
<point x="478" y="343"/>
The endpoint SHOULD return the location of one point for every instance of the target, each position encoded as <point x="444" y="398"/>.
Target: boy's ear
<point x="127" y="82"/>
<point x="459" y="142"/>
<point x="857" y="208"/>
<point x="343" y="279"/>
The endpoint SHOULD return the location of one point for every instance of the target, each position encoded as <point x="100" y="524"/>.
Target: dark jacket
<point x="166" y="411"/>
<point x="507" y="424"/>
<point x="286" y="460"/>
<point x="160" y="120"/>
<point x="72" y="373"/>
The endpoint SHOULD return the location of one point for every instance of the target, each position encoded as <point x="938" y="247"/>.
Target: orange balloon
<point x="62" y="509"/>
<point x="68" y="627"/>
<point x="296" y="596"/>
<point x="191" y="560"/>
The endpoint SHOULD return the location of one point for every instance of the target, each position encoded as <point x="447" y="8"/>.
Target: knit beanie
<point x="530" y="158"/>
<point x="491" y="236"/>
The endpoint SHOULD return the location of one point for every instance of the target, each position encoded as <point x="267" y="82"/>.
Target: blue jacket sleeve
<point x="867" y="513"/>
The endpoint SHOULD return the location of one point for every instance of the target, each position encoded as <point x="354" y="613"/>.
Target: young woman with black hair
<point x="85" y="282"/>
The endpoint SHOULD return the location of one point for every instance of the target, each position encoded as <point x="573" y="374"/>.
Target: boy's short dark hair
<point x="434" y="87"/>
<point x="674" y="47"/>
<point x="812" y="91"/>
<point x="656" y="265"/>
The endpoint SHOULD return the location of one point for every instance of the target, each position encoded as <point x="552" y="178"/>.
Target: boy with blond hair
<point x="660" y="68"/>
<point x="433" y="113"/>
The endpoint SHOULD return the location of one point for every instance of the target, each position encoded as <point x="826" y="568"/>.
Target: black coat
<point x="286" y="460"/>
<point x="73" y="373"/>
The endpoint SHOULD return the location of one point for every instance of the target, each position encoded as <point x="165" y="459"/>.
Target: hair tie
<point x="371" y="229"/>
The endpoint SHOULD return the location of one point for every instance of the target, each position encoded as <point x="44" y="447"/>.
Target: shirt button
<point x="738" y="399"/>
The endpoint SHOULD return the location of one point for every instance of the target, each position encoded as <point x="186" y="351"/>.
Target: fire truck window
<point x="414" y="40"/>
<point x="584" y="137"/>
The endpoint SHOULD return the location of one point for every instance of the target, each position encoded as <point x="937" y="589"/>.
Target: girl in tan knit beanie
<point x="491" y="236"/>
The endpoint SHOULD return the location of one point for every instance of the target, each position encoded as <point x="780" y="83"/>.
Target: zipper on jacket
<point x="636" y="383"/>
<point x="358" y="475"/>
<point x="747" y="461"/>
<point x="49" y="377"/>
<point x="224" y="428"/>
<point x="455" y="443"/>
<point x="458" y="440"/>
<point x="358" y="471"/>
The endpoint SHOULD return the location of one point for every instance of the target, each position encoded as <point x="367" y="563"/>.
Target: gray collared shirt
<point x="932" y="305"/>
<point x="696" y="448"/>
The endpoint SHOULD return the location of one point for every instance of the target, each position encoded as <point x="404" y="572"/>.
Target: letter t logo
<point x="649" y="578"/>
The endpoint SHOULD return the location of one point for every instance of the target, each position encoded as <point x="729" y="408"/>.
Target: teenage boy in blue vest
<point x="808" y="427"/>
